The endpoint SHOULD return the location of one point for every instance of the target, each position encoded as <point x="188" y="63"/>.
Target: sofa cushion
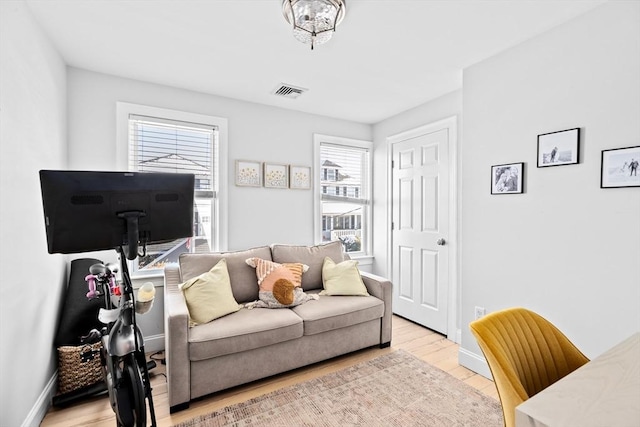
<point x="342" y="278"/>
<point x="208" y="296"/>
<point x="243" y="330"/>
<point x="243" y="278"/>
<point x="313" y="256"/>
<point x="334" y="312"/>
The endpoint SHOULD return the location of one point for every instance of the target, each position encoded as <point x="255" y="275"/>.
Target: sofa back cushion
<point x="313" y="256"/>
<point x="244" y="283"/>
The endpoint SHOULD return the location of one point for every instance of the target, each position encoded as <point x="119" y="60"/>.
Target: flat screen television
<point x="89" y="211"/>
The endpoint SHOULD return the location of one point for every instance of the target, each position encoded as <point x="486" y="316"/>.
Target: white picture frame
<point x="248" y="173"/>
<point x="299" y="177"/>
<point x="276" y="175"/>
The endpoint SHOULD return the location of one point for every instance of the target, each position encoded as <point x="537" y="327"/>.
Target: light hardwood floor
<point x="421" y="342"/>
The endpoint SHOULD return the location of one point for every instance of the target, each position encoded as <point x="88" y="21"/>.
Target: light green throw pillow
<point x="209" y="296"/>
<point x="342" y="279"/>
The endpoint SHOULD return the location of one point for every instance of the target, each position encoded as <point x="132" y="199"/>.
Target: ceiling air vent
<point x="289" y="91"/>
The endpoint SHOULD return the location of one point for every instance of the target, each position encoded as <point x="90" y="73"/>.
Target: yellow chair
<point x="525" y="353"/>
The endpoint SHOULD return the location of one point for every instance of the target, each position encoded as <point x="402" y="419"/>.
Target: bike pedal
<point x="151" y="364"/>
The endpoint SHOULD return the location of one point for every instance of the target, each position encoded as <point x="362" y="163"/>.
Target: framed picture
<point x="300" y="177"/>
<point x="559" y="148"/>
<point x="507" y="179"/>
<point x="620" y="168"/>
<point x="248" y="173"/>
<point x="276" y="175"/>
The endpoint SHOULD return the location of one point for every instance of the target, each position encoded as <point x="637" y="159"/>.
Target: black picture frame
<point x="507" y="178"/>
<point x="559" y="148"/>
<point x="620" y="167"/>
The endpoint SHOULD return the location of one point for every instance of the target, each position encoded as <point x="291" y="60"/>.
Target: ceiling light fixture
<point x="314" y="21"/>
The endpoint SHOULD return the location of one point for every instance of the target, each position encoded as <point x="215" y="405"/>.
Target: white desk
<point x="603" y="393"/>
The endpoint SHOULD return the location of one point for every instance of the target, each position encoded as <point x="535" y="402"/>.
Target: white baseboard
<point x="153" y="343"/>
<point x="474" y="362"/>
<point x="39" y="410"/>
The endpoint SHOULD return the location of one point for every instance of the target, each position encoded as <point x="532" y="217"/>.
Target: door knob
<point x="441" y="242"/>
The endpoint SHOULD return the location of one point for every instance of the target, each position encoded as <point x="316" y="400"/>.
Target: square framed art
<point x="248" y="173"/>
<point x="619" y="168"/>
<point x="276" y="175"/>
<point x="507" y="179"/>
<point x="299" y="177"/>
<point x="559" y="148"/>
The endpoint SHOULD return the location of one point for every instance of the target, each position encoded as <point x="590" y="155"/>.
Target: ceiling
<point x="385" y="58"/>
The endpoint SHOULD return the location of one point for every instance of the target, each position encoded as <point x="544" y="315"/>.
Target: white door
<point x="420" y="225"/>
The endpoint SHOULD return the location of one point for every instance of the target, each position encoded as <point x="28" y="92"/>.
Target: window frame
<point x="219" y="224"/>
<point x="367" y="190"/>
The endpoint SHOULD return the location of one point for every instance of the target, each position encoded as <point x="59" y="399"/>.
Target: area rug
<point x="395" y="389"/>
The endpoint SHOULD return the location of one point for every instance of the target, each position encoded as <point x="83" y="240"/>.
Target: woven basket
<point x="79" y="366"/>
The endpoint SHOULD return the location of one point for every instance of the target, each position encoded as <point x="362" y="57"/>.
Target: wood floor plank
<point x="417" y="340"/>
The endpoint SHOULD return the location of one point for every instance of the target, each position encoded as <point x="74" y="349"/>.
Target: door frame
<point x="453" y="297"/>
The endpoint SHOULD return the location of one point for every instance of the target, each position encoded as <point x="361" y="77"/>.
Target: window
<point x="344" y="212"/>
<point x="159" y="140"/>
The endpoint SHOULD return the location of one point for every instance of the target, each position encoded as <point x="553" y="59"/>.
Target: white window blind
<point x="170" y="146"/>
<point x="346" y="169"/>
<point x="160" y="145"/>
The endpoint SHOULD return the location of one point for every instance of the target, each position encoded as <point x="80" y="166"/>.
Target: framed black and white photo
<point x="507" y="179"/>
<point x="620" y="168"/>
<point x="559" y="148"/>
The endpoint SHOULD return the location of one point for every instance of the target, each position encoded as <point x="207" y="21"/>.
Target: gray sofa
<point x="251" y="344"/>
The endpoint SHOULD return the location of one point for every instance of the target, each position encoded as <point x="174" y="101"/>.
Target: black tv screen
<point x="84" y="210"/>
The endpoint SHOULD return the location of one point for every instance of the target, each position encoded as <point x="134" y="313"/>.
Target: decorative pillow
<point x="243" y="277"/>
<point x="342" y="279"/>
<point x="279" y="284"/>
<point x="208" y="296"/>
<point x="313" y="256"/>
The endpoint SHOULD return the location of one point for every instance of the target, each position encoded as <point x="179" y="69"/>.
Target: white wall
<point x="257" y="216"/>
<point x="32" y="137"/>
<point x="565" y="248"/>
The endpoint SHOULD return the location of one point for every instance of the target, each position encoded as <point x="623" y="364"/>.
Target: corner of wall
<point x="39" y="410"/>
<point x="474" y="362"/>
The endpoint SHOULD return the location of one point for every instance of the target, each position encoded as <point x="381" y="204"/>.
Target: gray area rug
<point x="396" y="389"/>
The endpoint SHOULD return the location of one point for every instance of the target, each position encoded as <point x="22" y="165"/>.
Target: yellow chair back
<point x="526" y="354"/>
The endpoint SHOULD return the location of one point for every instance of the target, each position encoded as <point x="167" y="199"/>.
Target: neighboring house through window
<point x="343" y="186"/>
<point x="174" y="142"/>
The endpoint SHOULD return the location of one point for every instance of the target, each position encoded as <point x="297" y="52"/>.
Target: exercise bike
<point x="87" y="211"/>
<point x="123" y="355"/>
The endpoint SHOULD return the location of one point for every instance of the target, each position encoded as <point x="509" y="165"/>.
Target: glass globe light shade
<point x="314" y="21"/>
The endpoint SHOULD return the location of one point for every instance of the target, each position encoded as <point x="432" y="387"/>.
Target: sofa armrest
<point x="381" y="288"/>
<point x="176" y="336"/>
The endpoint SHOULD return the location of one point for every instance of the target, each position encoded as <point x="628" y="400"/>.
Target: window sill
<point x="363" y="259"/>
